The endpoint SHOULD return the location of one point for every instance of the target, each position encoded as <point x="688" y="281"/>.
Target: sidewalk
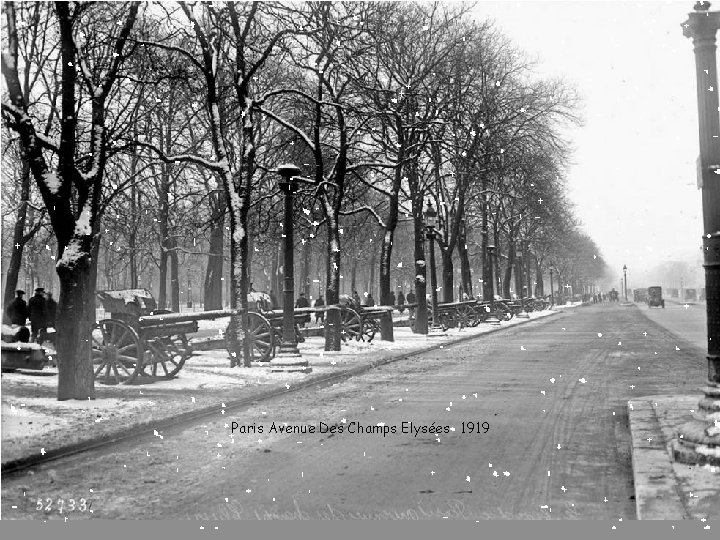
<point x="665" y="489"/>
<point x="35" y="423"/>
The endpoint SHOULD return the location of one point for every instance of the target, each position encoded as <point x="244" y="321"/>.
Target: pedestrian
<point x="370" y="300"/>
<point x="392" y="298"/>
<point x="411" y="300"/>
<point x="38" y="314"/>
<point x="17" y="310"/>
<point x="302" y="302"/>
<point x="401" y="301"/>
<point x="356" y="298"/>
<point x="273" y="300"/>
<point x="320" y="315"/>
<point x="51" y="306"/>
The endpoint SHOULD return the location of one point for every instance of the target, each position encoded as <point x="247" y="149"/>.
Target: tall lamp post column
<point x="552" y="292"/>
<point x="625" y="281"/>
<point x="699" y="440"/>
<point x="289" y="357"/>
<point x="430" y="223"/>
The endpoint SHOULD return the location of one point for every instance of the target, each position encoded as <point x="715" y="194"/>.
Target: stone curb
<point x="656" y="495"/>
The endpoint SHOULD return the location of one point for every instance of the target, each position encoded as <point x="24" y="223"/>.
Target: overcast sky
<point x="633" y="177"/>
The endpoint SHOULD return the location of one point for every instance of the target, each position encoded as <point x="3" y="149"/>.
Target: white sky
<point x="633" y="176"/>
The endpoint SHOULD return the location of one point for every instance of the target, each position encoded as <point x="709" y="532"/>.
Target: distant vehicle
<point x="640" y="295"/>
<point x="655" y="297"/>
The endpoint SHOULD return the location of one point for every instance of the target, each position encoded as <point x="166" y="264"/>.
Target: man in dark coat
<point x="302" y="302"/>
<point x="392" y="298"/>
<point x="17" y="310"/>
<point x="411" y="300"/>
<point x="320" y="315"/>
<point x="370" y="300"/>
<point x="37" y="311"/>
<point x="401" y="301"/>
<point x="51" y="306"/>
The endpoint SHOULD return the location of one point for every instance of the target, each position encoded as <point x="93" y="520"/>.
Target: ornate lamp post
<point x="288" y="358"/>
<point x="625" y="280"/>
<point x="699" y="440"/>
<point x="552" y="292"/>
<point x="430" y="224"/>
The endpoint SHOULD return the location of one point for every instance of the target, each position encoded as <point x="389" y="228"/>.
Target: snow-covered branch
<point x="188" y="158"/>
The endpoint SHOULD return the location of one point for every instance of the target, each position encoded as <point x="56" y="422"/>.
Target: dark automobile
<point x="640" y="295"/>
<point x="655" y="297"/>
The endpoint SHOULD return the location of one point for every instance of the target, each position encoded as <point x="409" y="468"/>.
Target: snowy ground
<point x="33" y="421"/>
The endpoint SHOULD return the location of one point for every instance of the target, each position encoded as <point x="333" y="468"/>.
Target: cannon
<point x="140" y="341"/>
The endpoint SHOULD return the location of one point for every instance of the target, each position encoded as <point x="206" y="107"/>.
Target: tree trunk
<point x="507" y="278"/>
<point x="174" y="278"/>
<point x="488" y="285"/>
<point x="465" y="271"/>
<point x="18" y="240"/>
<point x="332" y="291"/>
<point x="274" y="278"/>
<point x="162" y="291"/>
<point x="540" y="287"/>
<point x="212" y="287"/>
<point x="528" y="274"/>
<point x="371" y="284"/>
<point x="448" y="283"/>
<point x="75" y="319"/>
<point x="421" y="315"/>
<point x="497" y="274"/>
<point x="353" y="277"/>
<point x="305" y="275"/>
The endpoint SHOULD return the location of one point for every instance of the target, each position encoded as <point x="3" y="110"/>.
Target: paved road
<point x="688" y="321"/>
<point x="553" y="393"/>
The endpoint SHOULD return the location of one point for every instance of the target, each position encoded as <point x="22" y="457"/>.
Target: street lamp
<point x="699" y="440"/>
<point x="430" y="224"/>
<point x="552" y="293"/>
<point x="289" y="357"/>
<point x="625" y="278"/>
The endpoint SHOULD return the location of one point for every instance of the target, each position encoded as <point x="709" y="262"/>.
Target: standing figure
<point x="392" y="298"/>
<point x="370" y="300"/>
<point x="17" y="310"/>
<point x="356" y="298"/>
<point x="401" y="301"/>
<point x="411" y="300"/>
<point x="37" y="311"/>
<point x="51" y="306"/>
<point x="302" y="302"/>
<point x="320" y="315"/>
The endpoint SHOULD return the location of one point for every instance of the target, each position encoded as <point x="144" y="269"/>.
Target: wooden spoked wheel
<point x="352" y="326"/>
<point x="261" y="336"/>
<point x="117" y="352"/>
<point x="165" y="356"/>
<point x="370" y="327"/>
<point x="465" y="316"/>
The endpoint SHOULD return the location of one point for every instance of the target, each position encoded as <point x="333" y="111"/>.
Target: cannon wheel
<point x="351" y="326"/>
<point x="169" y="352"/>
<point x="370" y="327"/>
<point x="261" y="336"/>
<point x="117" y="352"/>
<point x="465" y="316"/>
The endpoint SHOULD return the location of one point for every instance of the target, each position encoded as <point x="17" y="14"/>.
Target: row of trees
<point x="142" y="133"/>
